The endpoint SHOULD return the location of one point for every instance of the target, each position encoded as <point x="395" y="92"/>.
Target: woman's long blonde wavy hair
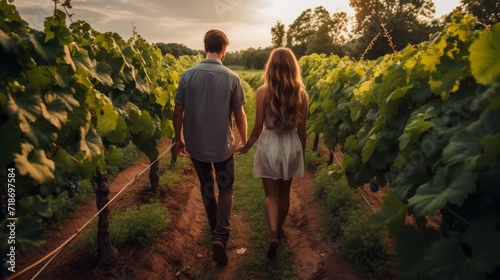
<point x="283" y="84"/>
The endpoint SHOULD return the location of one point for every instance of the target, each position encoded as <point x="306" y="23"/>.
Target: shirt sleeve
<point x="238" y="96"/>
<point x="179" y="96"/>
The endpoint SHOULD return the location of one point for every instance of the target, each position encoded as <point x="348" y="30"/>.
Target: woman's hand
<point x="242" y="149"/>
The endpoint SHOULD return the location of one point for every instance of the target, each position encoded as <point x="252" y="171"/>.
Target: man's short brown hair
<point x="215" y="40"/>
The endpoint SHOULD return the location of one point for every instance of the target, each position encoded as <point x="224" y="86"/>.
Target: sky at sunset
<point x="246" y="22"/>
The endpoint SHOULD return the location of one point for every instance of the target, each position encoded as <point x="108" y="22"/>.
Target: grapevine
<point x="424" y="122"/>
<point x="68" y="93"/>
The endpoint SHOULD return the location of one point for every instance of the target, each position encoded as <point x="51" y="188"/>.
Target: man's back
<point x="208" y="92"/>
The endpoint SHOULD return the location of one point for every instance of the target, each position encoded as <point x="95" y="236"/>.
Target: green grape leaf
<point x="118" y="84"/>
<point x="127" y="75"/>
<point x="40" y="78"/>
<point x="162" y="96"/>
<point x="67" y="58"/>
<point x="64" y="161"/>
<point x="149" y="148"/>
<point x="26" y="106"/>
<point x="34" y="163"/>
<point x="38" y="48"/>
<point x="411" y="247"/>
<point x="119" y="134"/>
<point x="143" y="125"/>
<point x="483" y="237"/>
<point x="392" y="213"/>
<point x="61" y="75"/>
<point x="89" y="165"/>
<point x="54" y="110"/>
<point x="457" y="173"/>
<point x="82" y="60"/>
<point x="370" y="146"/>
<point x="140" y="84"/>
<point x="48" y="24"/>
<point x="463" y="146"/>
<point x="105" y="41"/>
<point x="450" y="82"/>
<point x="168" y="129"/>
<point x="413" y="130"/>
<point x="49" y="52"/>
<point x="10" y="142"/>
<point x="37" y="205"/>
<point x="69" y="101"/>
<point x="394" y="82"/>
<point x="102" y="73"/>
<point x="398" y="93"/>
<point x="41" y="134"/>
<point x="402" y="157"/>
<point x="313" y="106"/>
<point x="485" y="56"/>
<point x="113" y="156"/>
<point x="30" y="232"/>
<point x="491" y="150"/>
<point x="494" y="99"/>
<point x="90" y="141"/>
<point x="445" y="259"/>
<point x="440" y="190"/>
<point x="107" y="118"/>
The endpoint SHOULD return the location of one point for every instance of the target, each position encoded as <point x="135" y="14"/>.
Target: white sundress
<point x="279" y="154"/>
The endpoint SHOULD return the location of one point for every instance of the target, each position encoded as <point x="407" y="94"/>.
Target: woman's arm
<point x="259" y="122"/>
<point x="301" y="128"/>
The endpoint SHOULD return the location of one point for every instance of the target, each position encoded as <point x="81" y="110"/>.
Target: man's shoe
<point x="220" y="254"/>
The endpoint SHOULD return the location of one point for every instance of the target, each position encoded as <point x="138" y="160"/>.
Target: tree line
<point x="378" y="27"/>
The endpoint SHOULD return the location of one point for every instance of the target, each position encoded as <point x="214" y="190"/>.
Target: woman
<point x="280" y="126"/>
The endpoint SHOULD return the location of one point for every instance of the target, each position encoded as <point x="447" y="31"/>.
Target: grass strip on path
<point x="249" y="201"/>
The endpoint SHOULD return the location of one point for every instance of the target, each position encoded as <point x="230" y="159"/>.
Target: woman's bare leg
<point x="283" y="202"/>
<point x="272" y="188"/>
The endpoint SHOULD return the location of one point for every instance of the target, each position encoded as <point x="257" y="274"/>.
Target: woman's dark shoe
<point x="281" y="234"/>
<point x="273" y="245"/>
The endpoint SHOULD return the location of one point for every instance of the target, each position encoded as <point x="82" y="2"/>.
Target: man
<point x="207" y="96"/>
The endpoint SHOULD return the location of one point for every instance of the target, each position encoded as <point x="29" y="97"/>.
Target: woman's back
<point x="270" y="117"/>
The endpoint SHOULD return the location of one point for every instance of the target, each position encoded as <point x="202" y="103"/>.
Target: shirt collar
<point x="211" y="61"/>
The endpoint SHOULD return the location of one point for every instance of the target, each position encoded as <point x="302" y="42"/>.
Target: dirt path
<point x="185" y="251"/>
<point x="314" y="256"/>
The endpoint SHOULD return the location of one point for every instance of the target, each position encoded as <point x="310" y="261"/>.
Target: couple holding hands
<point x="209" y="94"/>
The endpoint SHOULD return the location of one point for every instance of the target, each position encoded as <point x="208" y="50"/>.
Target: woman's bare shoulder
<point x="261" y="89"/>
<point x="303" y="92"/>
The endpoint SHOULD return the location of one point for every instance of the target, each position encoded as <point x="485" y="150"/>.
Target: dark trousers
<point x="218" y="210"/>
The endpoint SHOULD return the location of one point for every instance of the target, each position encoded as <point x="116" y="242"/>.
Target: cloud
<point x="168" y="21"/>
<point x="246" y="22"/>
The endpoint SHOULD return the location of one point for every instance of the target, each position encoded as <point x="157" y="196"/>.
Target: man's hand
<point x="180" y="148"/>
<point x="242" y="149"/>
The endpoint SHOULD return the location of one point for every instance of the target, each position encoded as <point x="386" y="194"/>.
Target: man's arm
<point x="178" y="120"/>
<point x="240" y="119"/>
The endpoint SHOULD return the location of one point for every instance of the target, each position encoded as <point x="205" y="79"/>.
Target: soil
<point x="185" y="251"/>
